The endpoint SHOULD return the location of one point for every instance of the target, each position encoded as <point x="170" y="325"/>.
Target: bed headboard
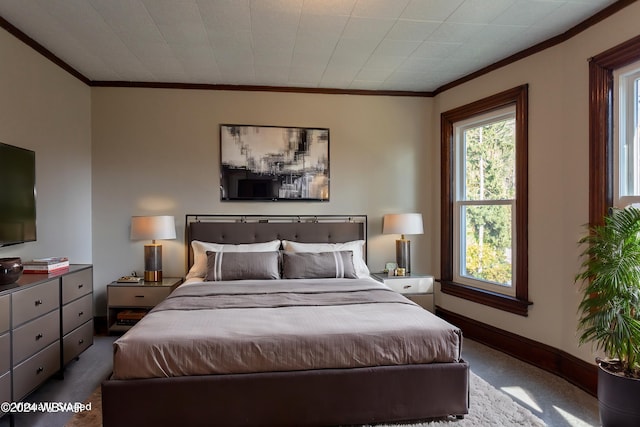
<point x="237" y="229"/>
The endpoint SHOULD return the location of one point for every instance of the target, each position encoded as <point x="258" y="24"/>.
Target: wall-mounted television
<point x="17" y="195"/>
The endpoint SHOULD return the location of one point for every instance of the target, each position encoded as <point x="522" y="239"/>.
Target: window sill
<point x="492" y="299"/>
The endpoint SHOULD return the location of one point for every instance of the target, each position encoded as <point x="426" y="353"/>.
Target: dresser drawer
<point x="5" y="304"/>
<point x="77" y="342"/>
<point x="136" y="296"/>
<point x="30" y="303"/>
<point x="77" y="284"/>
<point x="35" y="335"/>
<point x="77" y="313"/>
<point x="5" y="388"/>
<point x="34" y="371"/>
<point x="5" y="353"/>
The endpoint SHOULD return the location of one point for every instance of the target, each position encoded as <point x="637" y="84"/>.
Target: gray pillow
<point x="242" y="265"/>
<point x="316" y="265"/>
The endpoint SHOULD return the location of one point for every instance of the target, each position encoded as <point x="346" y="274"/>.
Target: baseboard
<point x="576" y="371"/>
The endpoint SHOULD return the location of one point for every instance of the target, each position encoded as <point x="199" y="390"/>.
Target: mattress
<point x="250" y="326"/>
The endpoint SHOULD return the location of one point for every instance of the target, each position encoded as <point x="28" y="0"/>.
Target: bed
<point x="259" y="335"/>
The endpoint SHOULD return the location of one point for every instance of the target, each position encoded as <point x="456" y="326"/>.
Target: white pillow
<point x="199" y="267"/>
<point x="356" y="246"/>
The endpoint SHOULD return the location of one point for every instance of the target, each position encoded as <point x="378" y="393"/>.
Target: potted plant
<point x="610" y="312"/>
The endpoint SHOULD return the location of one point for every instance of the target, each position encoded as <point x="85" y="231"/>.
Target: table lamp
<point x="408" y="223"/>
<point x="160" y="227"/>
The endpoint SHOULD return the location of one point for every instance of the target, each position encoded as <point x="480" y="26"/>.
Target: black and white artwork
<point x="274" y="163"/>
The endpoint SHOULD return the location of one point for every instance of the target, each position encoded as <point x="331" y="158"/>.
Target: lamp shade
<point x="407" y="223"/>
<point x="159" y="227"/>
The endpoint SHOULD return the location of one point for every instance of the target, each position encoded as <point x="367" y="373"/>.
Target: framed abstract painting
<point x="274" y="163"/>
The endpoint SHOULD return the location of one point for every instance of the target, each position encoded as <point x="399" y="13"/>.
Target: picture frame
<point x="389" y="267"/>
<point x="273" y="163"/>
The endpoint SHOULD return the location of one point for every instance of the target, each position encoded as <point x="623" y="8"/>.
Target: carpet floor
<point x="488" y="407"/>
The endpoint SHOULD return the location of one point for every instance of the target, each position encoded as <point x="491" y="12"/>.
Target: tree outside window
<point x="487" y="180"/>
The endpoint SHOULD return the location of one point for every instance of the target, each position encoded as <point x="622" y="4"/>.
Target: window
<point x="484" y="212"/>
<point x="626" y="138"/>
<point x="602" y="172"/>
<point x="484" y="202"/>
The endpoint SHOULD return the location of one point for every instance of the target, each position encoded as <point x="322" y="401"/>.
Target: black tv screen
<point x="17" y="195"/>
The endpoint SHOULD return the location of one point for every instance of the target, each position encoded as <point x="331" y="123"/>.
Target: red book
<point x="43" y="267"/>
<point x="57" y="270"/>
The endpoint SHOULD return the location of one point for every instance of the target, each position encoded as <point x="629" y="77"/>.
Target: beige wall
<point x="558" y="177"/>
<point x="157" y="152"/>
<point x="45" y="109"/>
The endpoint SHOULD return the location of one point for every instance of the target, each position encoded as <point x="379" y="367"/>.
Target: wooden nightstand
<point x="132" y="298"/>
<point x="416" y="287"/>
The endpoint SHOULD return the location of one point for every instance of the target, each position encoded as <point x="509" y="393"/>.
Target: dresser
<point x="45" y="321"/>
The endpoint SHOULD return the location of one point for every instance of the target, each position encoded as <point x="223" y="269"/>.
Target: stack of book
<point x="46" y="265"/>
<point x="129" y="317"/>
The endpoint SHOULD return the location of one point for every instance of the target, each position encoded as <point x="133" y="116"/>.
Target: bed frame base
<point x="385" y="394"/>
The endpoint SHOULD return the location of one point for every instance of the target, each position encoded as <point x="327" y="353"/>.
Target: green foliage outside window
<point x="489" y="164"/>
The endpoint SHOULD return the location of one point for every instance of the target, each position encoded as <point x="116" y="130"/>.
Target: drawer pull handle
<point x="80" y="286"/>
<point x="39" y="337"/>
<point x="39" y="370"/>
<point x="139" y="296"/>
<point x="406" y="286"/>
<point x="81" y="313"/>
<point x="80" y="341"/>
<point x="38" y="302"/>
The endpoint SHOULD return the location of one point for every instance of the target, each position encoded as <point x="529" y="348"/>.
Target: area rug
<point x="488" y="407"/>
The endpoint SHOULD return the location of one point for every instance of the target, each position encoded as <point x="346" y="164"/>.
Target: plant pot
<point x="10" y="270"/>
<point x="618" y="399"/>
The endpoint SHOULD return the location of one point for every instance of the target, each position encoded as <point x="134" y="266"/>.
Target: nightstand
<point x="128" y="302"/>
<point x="416" y="287"/>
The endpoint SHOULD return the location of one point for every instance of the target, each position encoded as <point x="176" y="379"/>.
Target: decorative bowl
<point x="10" y="270"/>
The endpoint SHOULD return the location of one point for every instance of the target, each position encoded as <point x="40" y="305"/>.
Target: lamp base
<point x="153" y="262"/>
<point x="403" y="254"/>
<point x="153" y="276"/>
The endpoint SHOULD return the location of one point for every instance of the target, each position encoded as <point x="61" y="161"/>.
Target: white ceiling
<point x="390" y="45"/>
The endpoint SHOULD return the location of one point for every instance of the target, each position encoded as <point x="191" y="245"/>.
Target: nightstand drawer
<point x="411" y="285"/>
<point x="76" y="313"/>
<point x="77" y="342"/>
<point x="33" y="336"/>
<point x="34" y="371"/>
<point x="136" y="296"/>
<point x="5" y="319"/>
<point x="76" y="285"/>
<point x="30" y="303"/>
<point x="5" y="354"/>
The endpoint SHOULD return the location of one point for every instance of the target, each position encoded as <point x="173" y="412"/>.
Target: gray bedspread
<point x="282" y="325"/>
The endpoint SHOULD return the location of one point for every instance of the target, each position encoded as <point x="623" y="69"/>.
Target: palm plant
<point x="610" y="276"/>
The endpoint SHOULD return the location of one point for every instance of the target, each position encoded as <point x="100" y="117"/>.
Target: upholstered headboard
<point x="237" y="229"/>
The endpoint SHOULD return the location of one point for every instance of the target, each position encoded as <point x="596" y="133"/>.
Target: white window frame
<point x="459" y="203"/>
<point x="625" y="114"/>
